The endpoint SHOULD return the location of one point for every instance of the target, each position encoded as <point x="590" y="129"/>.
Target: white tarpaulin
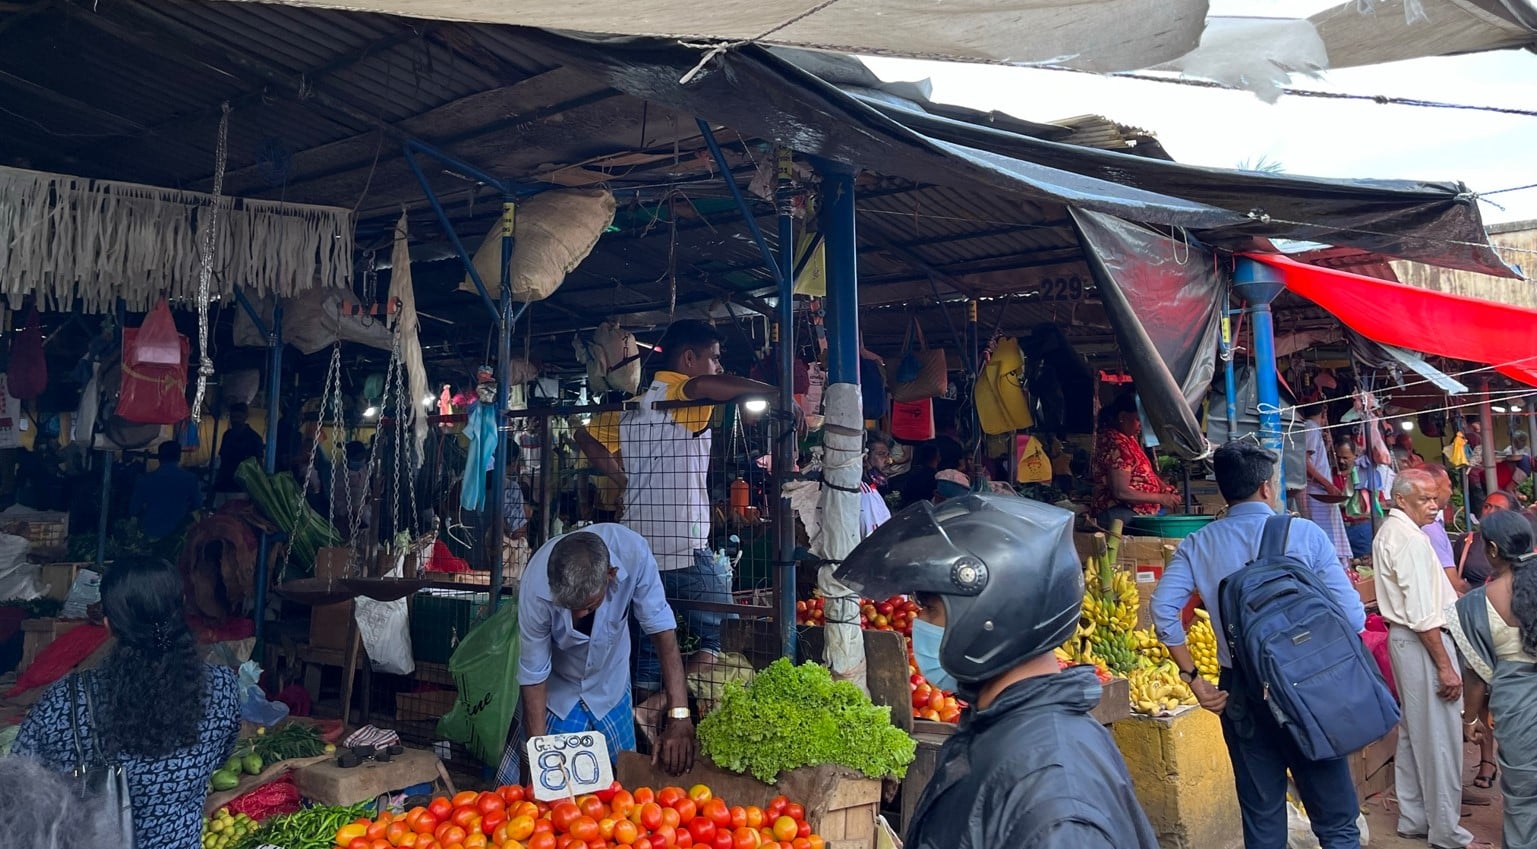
<point x="842" y="455"/>
<point x="1091" y="35"/>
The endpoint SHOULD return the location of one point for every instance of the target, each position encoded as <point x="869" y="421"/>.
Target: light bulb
<point x="370" y="412"/>
<point x="755" y="405"/>
<point x="1496" y="408"/>
<point x="1407" y="425"/>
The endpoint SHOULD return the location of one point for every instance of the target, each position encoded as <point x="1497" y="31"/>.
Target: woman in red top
<point x="1125" y="483"/>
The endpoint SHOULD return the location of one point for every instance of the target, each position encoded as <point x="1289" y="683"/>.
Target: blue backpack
<point x="1295" y="651"/>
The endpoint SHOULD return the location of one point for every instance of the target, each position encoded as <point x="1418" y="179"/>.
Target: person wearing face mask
<point x="1001" y="587"/>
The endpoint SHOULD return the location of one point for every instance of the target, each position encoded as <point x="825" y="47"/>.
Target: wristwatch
<point x="679" y="713"/>
<point x="1188" y="675"/>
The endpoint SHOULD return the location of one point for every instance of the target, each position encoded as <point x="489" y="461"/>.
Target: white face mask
<point x="926" y="639"/>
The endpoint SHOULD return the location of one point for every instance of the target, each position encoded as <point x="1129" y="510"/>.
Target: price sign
<point x="567" y="765"/>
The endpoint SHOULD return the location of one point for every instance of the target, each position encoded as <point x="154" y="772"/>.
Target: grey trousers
<point x="1428" y="765"/>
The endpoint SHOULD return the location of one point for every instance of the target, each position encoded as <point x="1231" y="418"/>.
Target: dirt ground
<point x="1483" y="821"/>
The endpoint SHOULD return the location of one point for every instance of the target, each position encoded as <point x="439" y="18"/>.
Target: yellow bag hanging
<point x="1001" y="402"/>
<point x="1457" y="452"/>
<point x="1033" y="466"/>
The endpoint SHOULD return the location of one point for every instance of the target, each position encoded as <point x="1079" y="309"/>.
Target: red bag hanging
<point x="158" y="343"/>
<point x="154" y="392"/>
<point x="913" y="421"/>
<point x="27" y="377"/>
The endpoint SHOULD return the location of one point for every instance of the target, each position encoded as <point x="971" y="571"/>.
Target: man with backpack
<point x="1261" y="748"/>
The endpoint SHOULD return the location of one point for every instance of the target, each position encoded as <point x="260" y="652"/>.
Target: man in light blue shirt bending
<point x="1260" y="751"/>
<point x="574" y="607"/>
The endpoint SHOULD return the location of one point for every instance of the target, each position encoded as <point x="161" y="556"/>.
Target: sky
<point x="1302" y="135"/>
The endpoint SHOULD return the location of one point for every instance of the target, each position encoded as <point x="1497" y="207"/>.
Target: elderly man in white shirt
<point x="1413" y="593"/>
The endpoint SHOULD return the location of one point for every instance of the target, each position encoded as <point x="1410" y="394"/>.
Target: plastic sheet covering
<point x="842" y="455"/>
<point x="1161" y="297"/>
<point x="313" y="321"/>
<point x="1259" y="54"/>
<point x="1395" y="314"/>
<point x="408" y="333"/>
<point x="757" y="93"/>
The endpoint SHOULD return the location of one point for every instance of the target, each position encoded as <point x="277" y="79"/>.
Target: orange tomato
<point x="358" y="843"/>
<point x="784" y="828"/>
<point x="816" y="842"/>
<point x="738" y="817"/>
<point x="544" y="840"/>
<point x="396" y="832"/>
<point x="606" y="827"/>
<point x="625" y="832"/>
<point x="563" y="814"/>
<point x="524" y="809"/>
<point x="669" y="796"/>
<point x="701" y="793"/>
<point x="466" y="797"/>
<point x="644" y="795"/>
<point x="380" y="844"/>
<point x="476" y="841"/>
<point x="754" y="816"/>
<point x="452" y="834"/>
<point x="467" y="818"/>
<point x="664" y="835"/>
<point x="745" y="838"/>
<point x="584" y="828"/>
<point x="800" y="843"/>
<point x="687" y="809"/>
<point x="622" y="803"/>
<point x="520" y="827"/>
<point x="671" y="817"/>
<point x="375" y="830"/>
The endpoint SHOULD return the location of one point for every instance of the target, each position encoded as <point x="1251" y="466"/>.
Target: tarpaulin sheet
<point x="1161" y="297"/>
<point x="759" y="94"/>
<point x="1418" y="319"/>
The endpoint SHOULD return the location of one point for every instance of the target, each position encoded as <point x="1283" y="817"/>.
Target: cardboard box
<point x="1367" y="588"/>
<point x="1371" y="769"/>
<point x="1134" y="551"/>
<point x="330" y="624"/>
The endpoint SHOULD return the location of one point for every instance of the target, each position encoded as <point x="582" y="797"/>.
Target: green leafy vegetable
<point x="793" y="716"/>
<point x="37" y="608"/>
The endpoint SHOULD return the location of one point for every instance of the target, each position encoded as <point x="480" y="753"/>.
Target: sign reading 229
<point x="1062" y="288"/>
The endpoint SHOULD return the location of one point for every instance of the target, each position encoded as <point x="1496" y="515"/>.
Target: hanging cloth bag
<point x="104" y="784"/>
<point x="919" y="372"/>
<point x="154" y="391"/>
<point x="28" y="374"/>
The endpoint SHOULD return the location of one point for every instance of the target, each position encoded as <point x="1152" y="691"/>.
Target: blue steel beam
<point x="503" y="397"/>
<point x="784" y="447"/>
<point x="741" y="202"/>
<point x="453" y="236"/>
<point x="1259" y="284"/>
<point x="270" y="461"/>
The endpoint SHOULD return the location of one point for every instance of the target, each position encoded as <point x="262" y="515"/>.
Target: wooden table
<point x="329" y="784"/>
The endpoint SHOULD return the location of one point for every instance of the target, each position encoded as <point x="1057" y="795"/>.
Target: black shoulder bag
<point x="105" y="784"/>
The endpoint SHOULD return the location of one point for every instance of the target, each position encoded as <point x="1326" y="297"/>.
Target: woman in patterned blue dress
<point x="156" y="708"/>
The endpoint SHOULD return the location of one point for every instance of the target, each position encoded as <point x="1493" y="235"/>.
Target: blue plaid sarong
<point x="617" y="727"/>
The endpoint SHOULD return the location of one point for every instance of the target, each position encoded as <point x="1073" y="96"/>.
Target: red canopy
<point x="1417" y="319"/>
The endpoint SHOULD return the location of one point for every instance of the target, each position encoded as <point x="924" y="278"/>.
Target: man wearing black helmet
<point x="1001" y="588"/>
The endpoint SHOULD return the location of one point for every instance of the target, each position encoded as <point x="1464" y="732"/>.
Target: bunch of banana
<point x="1158" y="689"/>
<point x="1148" y="645"/>
<point x="1202" y="642"/>
<point x="1114" y="609"/>
<point x="1117" y="650"/>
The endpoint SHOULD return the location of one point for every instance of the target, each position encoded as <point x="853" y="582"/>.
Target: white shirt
<point x="1412" y="587"/>
<point x="667" y="499"/>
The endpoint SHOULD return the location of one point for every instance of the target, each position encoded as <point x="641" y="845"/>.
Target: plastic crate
<point x="441" y="618"/>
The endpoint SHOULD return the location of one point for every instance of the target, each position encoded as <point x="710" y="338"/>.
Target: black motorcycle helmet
<point x="1005" y="566"/>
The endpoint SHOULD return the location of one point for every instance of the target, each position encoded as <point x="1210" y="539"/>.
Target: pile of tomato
<point x="894" y="614"/>
<point x="510" y="818"/>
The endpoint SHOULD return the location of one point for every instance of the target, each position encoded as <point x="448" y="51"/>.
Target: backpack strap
<point x="1272" y="543"/>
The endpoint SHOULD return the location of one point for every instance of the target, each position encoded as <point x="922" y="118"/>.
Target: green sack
<point x="485" y="670"/>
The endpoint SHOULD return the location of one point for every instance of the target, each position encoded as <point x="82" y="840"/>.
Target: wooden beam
<point x="81" y="109"/>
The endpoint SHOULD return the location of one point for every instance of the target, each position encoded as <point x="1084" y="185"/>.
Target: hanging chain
<point x="207" y="239"/>
<point x="331" y="387"/>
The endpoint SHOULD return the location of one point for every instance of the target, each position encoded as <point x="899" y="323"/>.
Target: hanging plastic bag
<point x="154" y="391"/>
<point x="913" y="421"/>
<point x="28" y="373"/>
<point x="1033" y="464"/>
<point x="1000" y="393"/>
<point x="920" y="372"/>
<point x="485" y="670"/>
<point x="158" y="342"/>
<point x="386" y="630"/>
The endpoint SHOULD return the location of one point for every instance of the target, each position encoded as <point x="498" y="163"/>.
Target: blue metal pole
<point x="503" y="398"/>
<point x="1258" y="285"/>
<point x="453" y="237"/>
<point x="838" y="228"/>
<point x="785" y="447"/>
<point x="270" y="462"/>
<point x="741" y="202"/>
<point x="1227" y="367"/>
<point x="457" y="164"/>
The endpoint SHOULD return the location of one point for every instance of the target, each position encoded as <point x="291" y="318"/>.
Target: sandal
<point x="1484" y="782"/>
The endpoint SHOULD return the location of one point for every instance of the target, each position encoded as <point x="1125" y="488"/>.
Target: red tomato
<point x="644" y="795"/>
<point x="562" y="815"/>
<point x="800" y="843"/>
<point x="511" y="793"/>
<point x="622" y="804"/>
<point x="396" y="832"/>
<point x="794" y="811"/>
<point x="640" y="843"/>
<point x="467" y="797"/>
<point x="723" y="840"/>
<point x="490" y="822"/>
<point x="376" y="829"/>
<point x="467" y="818"/>
<point x="685" y="840"/>
<point x="664" y="836"/>
<point x="489" y="802"/>
<point x="358" y="843"/>
<point x="669" y="796"/>
<point x="543" y="840"/>
<point x="802" y="828"/>
<point x="687" y="809"/>
<point x="739" y="817"/>
<point x="702" y="828"/>
<point x="452" y="834"/>
<point x="606" y="796"/>
<point x="592" y="806"/>
<point x="585" y="828"/>
<point x="745" y="838"/>
<point x="776" y="806"/>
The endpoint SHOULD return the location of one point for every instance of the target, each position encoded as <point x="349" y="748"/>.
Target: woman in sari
<point x="1495" y="627"/>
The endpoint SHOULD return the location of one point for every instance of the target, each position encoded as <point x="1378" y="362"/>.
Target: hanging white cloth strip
<point x="408" y="338"/>
<point x="64" y="238"/>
